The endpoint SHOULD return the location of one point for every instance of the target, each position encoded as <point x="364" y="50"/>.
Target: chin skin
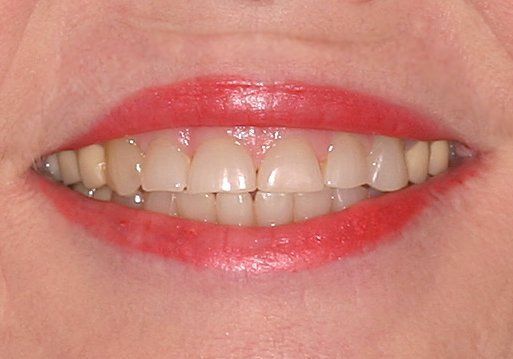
<point x="443" y="290"/>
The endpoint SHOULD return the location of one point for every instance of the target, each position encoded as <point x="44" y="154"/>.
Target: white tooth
<point x="388" y="170"/>
<point x="69" y="167"/>
<point x="221" y="165"/>
<point x="312" y="204"/>
<point x="83" y="190"/>
<point x="290" y="166"/>
<point x="198" y="207"/>
<point x="235" y="209"/>
<point x="346" y="165"/>
<point x="103" y="194"/>
<point x="91" y="162"/>
<point x="344" y="198"/>
<point x="439" y="157"/>
<point x="165" y="167"/>
<point x="134" y="201"/>
<point x="52" y="167"/>
<point x="123" y="166"/>
<point x="162" y="202"/>
<point x="274" y="209"/>
<point x="417" y="161"/>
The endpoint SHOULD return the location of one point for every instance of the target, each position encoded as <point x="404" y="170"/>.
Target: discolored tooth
<point x="290" y="166"/>
<point x="439" y="157"/>
<point x="68" y="164"/>
<point x="103" y="194"/>
<point x="91" y="162"/>
<point x="345" y="198"/>
<point x="123" y="166"/>
<point x="198" y="207"/>
<point x="346" y="165"/>
<point x="161" y="202"/>
<point x="312" y="204"/>
<point x="387" y="166"/>
<point x="221" y="165"/>
<point x="417" y="162"/>
<point x="165" y="167"/>
<point x="83" y="190"/>
<point x="274" y="209"/>
<point x="133" y="201"/>
<point x="235" y="209"/>
<point x="51" y="166"/>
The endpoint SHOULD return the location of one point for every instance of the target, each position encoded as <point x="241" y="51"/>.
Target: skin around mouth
<point x="305" y="178"/>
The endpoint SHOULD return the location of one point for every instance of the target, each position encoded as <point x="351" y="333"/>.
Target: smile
<point x="242" y="176"/>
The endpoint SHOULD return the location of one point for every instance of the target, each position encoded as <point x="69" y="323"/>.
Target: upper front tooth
<point x="221" y="165"/>
<point x="91" y="161"/>
<point x="290" y="166"/>
<point x="388" y="170"/>
<point x="235" y="209"/>
<point x="439" y="157"/>
<point x="312" y="204"/>
<point x="198" y="207"/>
<point x="346" y="166"/>
<point x="68" y="164"/>
<point x="123" y="166"/>
<point x="417" y="161"/>
<point x="165" y="167"/>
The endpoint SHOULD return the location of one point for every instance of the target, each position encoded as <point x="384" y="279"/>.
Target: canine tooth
<point x="344" y="198"/>
<point x="417" y="162"/>
<point x="123" y="166"/>
<point x="103" y="194"/>
<point x="199" y="207"/>
<point x="439" y="157"/>
<point x="52" y="167"/>
<point x="133" y="201"/>
<point x="69" y="167"/>
<point x="161" y="202"/>
<point x="165" y="167"/>
<point x="235" y="209"/>
<point x="221" y="165"/>
<point x="91" y="162"/>
<point x="274" y="209"/>
<point x="346" y="166"/>
<point x="290" y="166"/>
<point x="388" y="170"/>
<point x="312" y="204"/>
<point x="83" y="190"/>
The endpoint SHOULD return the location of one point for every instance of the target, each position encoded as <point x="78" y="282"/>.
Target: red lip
<point x="218" y="102"/>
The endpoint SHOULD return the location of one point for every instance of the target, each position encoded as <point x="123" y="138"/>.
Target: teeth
<point x="103" y="194"/>
<point x="123" y="166"/>
<point x="290" y="166"/>
<point x="417" y="161"/>
<point x="388" y="170"/>
<point x="439" y="158"/>
<point x="312" y="204"/>
<point x="198" y="207"/>
<point x="274" y="209"/>
<point x="346" y="166"/>
<point x="235" y="209"/>
<point x="165" y="167"/>
<point x="345" y="198"/>
<point x="83" y="190"/>
<point x="221" y="165"/>
<point x="91" y="162"/>
<point x="161" y="202"/>
<point x="134" y="201"/>
<point x="68" y="164"/>
<point x="52" y="167"/>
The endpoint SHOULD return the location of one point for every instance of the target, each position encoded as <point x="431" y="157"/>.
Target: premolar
<point x="68" y="164"/>
<point x="439" y="157"/>
<point x="91" y="161"/>
<point x="124" y="160"/>
<point x="417" y="161"/>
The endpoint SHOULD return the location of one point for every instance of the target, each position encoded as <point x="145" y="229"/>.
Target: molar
<point x="274" y="209"/>
<point x="312" y="204"/>
<point x="439" y="157"/>
<point x="346" y="165"/>
<point x="235" y="209"/>
<point x="91" y="162"/>
<point x="417" y="161"/>
<point x="388" y="171"/>
<point x="290" y="166"/>
<point x="198" y="207"/>
<point x="68" y="165"/>
<point x="123" y="166"/>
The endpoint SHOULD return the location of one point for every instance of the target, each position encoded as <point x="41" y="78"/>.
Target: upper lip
<point x="216" y="101"/>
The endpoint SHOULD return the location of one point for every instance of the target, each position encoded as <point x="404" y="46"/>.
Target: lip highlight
<point x="294" y="247"/>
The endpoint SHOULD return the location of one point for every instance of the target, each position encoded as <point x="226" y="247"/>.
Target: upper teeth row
<point x="223" y="165"/>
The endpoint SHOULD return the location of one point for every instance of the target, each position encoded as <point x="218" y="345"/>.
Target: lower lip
<point x="293" y="247"/>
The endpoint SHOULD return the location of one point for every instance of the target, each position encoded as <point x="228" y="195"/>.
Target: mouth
<point x="242" y="176"/>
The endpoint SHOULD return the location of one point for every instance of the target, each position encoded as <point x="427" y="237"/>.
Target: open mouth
<point x="243" y="176"/>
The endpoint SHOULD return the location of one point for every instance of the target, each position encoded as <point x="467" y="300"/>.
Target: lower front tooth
<point x="68" y="165"/>
<point x="83" y="190"/>
<point x="274" y="209"/>
<point x="235" y="209"/>
<point x="312" y="204"/>
<point x="387" y="165"/>
<point x="344" y="198"/>
<point x="103" y="194"/>
<point x="161" y="202"/>
<point x="134" y="201"/>
<point x="198" y="207"/>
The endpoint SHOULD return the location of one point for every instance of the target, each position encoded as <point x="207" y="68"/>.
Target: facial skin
<point x="442" y="290"/>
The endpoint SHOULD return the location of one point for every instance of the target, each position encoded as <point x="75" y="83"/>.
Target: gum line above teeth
<point x="221" y="182"/>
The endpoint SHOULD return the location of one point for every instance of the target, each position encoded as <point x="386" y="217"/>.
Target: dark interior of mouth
<point x="249" y="176"/>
